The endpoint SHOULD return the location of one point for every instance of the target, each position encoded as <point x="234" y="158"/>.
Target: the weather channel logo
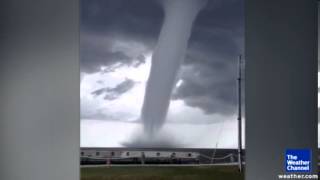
<point x="298" y="160"/>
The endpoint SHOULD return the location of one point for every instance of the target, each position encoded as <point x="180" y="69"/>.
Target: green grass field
<point x="161" y="173"/>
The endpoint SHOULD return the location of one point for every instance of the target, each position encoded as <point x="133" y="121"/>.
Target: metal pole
<point x="214" y="153"/>
<point x="239" y="119"/>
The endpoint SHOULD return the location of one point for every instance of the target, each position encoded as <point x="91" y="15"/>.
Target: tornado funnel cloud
<point x="166" y="60"/>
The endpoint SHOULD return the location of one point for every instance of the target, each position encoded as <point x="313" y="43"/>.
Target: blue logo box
<point x="298" y="160"/>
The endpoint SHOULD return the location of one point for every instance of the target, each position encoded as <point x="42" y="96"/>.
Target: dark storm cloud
<point x="210" y="69"/>
<point x="211" y="89"/>
<point x="117" y="91"/>
<point x="141" y="59"/>
<point x="209" y="81"/>
<point x="133" y="19"/>
<point x="97" y="51"/>
<point x="93" y="59"/>
<point x="138" y="21"/>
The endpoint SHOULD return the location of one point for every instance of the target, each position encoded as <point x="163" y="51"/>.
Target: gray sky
<point x="117" y="41"/>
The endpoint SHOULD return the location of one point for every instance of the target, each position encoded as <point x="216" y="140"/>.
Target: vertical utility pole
<point x="239" y="119"/>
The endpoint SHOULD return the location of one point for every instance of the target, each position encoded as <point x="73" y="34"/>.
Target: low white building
<point x="161" y="154"/>
<point x="142" y="155"/>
